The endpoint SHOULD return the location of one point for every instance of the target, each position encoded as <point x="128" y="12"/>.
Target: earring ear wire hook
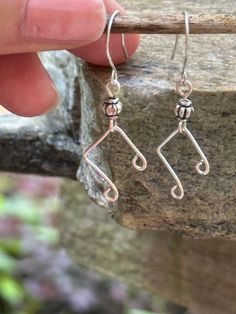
<point x="186" y="19"/>
<point x="114" y="76"/>
<point x="112" y="108"/>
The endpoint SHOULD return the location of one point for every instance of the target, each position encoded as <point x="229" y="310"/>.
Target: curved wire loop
<point x="184" y="88"/>
<point x="178" y="185"/>
<point x="182" y="128"/>
<point x="138" y="155"/>
<point x="203" y="162"/>
<point x="112" y="188"/>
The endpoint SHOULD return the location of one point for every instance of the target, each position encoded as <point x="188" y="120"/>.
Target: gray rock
<point x="149" y="98"/>
<point x="199" y="274"/>
<point x="53" y="144"/>
<point x="49" y="144"/>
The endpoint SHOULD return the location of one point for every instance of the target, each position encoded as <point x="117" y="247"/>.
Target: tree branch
<point x="174" y="24"/>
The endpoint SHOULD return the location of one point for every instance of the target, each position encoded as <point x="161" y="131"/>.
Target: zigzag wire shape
<point x="113" y="127"/>
<point x="183" y="129"/>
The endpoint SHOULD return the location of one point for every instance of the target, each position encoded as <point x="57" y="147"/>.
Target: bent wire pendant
<point x="112" y="109"/>
<point x="183" y="111"/>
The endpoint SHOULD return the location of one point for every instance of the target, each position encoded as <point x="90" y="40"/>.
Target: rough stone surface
<point x="46" y="145"/>
<point x="52" y="144"/>
<point x="148" y="81"/>
<point x="199" y="274"/>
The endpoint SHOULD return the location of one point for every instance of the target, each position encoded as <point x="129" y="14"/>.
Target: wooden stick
<point x="174" y="24"/>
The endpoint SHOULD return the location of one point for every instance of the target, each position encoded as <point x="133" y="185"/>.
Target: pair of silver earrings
<point x="112" y="108"/>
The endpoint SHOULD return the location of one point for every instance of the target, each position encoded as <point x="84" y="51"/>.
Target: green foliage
<point x="134" y="311"/>
<point x="21" y="211"/>
<point x="35" y="275"/>
<point x="11" y="290"/>
<point x="11" y="246"/>
<point x="7" y="263"/>
<point x="46" y="234"/>
<point x="21" y="208"/>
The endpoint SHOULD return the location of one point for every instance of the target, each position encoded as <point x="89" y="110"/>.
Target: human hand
<point x="28" y="26"/>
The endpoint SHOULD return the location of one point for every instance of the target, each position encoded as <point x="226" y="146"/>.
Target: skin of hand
<point x="29" y="26"/>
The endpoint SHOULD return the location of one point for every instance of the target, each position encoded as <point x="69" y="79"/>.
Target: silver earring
<point x="183" y="111"/>
<point x="112" y="108"/>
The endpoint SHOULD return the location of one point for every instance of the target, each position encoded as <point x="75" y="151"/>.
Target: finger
<point x="35" y="25"/>
<point x="25" y="86"/>
<point x="96" y="52"/>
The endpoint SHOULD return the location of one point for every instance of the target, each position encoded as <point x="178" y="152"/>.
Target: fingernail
<point x="64" y="20"/>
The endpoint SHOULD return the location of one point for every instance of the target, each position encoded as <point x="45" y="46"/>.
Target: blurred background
<point x="36" y="274"/>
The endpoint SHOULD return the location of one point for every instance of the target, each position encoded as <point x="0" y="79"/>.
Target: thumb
<point x="36" y="25"/>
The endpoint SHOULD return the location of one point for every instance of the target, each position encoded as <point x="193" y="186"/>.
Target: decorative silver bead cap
<point x="184" y="109"/>
<point x="112" y="107"/>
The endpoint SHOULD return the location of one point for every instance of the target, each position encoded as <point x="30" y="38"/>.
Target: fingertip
<point x="31" y="106"/>
<point x="64" y="22"/>
<point x="26" y="87"/>
<point x="132" y="42"/>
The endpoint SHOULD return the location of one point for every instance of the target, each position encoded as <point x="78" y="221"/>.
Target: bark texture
<point x="174" y="24"/>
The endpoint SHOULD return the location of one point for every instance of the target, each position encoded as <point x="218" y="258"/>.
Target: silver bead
<point x="184" y="109"/>
<point x="112" y="107"/>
